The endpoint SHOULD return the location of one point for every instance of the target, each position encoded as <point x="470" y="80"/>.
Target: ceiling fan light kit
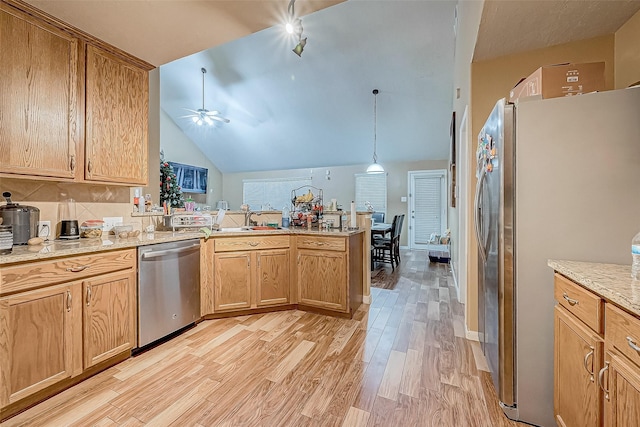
<point x="375" y="167"/>
<point x="295" y="26"/>
<point x="203" y="116"/>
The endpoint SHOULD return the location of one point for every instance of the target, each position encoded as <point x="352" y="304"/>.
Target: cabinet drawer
<point x="583" y="304"/>
<point x="44" y="273"/>
<point x="325" y="243"/>
<point x="250" y="243"/>
<point x="623" y="332"/>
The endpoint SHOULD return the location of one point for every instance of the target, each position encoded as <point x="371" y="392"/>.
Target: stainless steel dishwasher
<point x="168" y="288"/>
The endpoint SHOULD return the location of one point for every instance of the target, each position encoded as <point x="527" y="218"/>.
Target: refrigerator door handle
<point x="476" y="205"/>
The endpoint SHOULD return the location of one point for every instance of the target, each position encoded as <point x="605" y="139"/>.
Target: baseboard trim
<point x="471" y="335"/>
<point x="455" y="279"/>
<point x="366" y="299"/>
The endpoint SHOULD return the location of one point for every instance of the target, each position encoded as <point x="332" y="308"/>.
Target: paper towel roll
<point x="353" y="215"/>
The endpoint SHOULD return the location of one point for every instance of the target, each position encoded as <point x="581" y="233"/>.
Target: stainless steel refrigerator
<point x="557" y="178"/>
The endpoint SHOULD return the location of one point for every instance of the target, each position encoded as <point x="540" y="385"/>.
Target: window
<point x="372" y="188"/>
<point x="275" y="191"/>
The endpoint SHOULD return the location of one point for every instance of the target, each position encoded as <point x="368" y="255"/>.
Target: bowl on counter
<point x="91" y="229"/>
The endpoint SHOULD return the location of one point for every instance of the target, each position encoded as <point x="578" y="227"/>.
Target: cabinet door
<point x="36" y="340"/>
<point x="39" y="98"/>
<point x="232" y="281"/>
<point x="109" y="316"/>
<point x="117" y="104"/>
<point x="622" y="399"/>
<point x="273" y="282"/>
<point x="577" y="360"/>
<point x="322" y="279"/>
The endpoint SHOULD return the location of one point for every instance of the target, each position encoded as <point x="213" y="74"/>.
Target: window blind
<point x="372" y="188"/>
<point x="428" y="209"/>
<point x="274" y="191"/>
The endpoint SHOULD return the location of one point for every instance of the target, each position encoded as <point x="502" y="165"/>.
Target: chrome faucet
<point x="247" y="214"/>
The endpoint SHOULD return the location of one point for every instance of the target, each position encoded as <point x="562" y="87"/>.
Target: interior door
<point x="427" y="206"/>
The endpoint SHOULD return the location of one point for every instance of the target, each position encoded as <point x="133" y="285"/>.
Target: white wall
<point x="179" y="148"/>
<point x="341" y="186"/>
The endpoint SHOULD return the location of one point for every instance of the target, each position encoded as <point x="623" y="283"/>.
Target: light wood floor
<point x="402" y="361"/>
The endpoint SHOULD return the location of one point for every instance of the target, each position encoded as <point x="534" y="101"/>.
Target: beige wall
<point x="627" y="53"/>
<point x="179" y="148"/>
<point x="341" y="186"/>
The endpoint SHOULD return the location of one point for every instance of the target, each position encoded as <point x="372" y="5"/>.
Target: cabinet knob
<point x="88" y="295"/>
<point x="89" y="166"/>
<point x="69" y="301"/>
<point x="72" y="163"/>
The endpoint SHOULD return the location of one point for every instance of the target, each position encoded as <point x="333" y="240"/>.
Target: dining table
<point x="380" y="228"/>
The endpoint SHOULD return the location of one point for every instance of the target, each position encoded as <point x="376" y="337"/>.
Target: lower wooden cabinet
<point x="37" y="347"/>
<point x="597" y="375"/>
<point x="52" y="333"/>
<point x="232" y="283"/>
<point x="273" y="284"/>
<point x="109" y="316"/>
<point x="578" y="356"/>
<point x="250" y="279"/>
<point x="322" y="279"/>
<point x="621" y="380"/>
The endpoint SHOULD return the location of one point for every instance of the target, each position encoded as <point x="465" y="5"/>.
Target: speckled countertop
<point x="612" y="282"/>
<point x="85" y="246"/>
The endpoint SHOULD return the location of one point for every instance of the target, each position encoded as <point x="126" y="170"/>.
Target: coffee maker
<point x="68" y="224"/>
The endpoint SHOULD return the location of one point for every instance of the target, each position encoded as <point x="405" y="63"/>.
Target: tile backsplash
<point x="93" y="201"/>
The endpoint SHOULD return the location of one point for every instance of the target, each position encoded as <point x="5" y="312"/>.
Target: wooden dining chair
<point x="384" y="250"/>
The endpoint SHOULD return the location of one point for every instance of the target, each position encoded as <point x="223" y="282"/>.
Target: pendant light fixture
<point x="375" y="167"/>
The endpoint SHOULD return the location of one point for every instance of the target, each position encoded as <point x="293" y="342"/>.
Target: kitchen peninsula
<point x="70" y="308"/>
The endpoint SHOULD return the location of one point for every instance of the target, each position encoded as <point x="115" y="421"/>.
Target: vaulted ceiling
<point x="317" y="110"/>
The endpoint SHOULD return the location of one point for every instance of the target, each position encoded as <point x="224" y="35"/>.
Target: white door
<point x="427" y="206"/>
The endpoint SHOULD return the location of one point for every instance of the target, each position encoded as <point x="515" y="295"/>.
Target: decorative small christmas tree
<point x="170" y="191"/>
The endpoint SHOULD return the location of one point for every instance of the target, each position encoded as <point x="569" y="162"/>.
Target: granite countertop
<point x="612" y="282"/>
<point x="86" y="246"/>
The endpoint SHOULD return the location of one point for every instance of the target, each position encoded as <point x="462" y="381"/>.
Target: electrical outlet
<point x="44" y="229"/>
<point x="109" y="222"/>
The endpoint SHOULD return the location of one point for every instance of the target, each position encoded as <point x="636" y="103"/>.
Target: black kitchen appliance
<point x="22" y="219"/>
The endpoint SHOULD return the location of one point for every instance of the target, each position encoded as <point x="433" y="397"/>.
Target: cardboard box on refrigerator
<point x="552" y="81"/>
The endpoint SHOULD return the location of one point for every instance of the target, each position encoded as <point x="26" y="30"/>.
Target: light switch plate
<point x="403" y="199"/>
<point x="109" y="222"/>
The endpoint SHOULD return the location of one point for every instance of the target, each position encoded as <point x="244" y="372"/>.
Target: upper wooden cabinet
<point x="72" y="108"/>
<point x="40" y="98"/>
<point x="116" y="121"/>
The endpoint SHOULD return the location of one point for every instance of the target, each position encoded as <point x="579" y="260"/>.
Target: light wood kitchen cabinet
<point x="61" y="318"/>
<point x="322" y="279"/>
<point x="117" y="106"/>
<point x="621" y="372"/>
<point x="272" y="279"/>
<point x="251" y="272"/>
<point x="232" y="286"/>
<point x="109" y="316"/>
<point x="69" y="103"/>
<point x="578" y="356"/>
<point x="37" y="347"/>
<point x="594" y="387"/>
<point x="40" y="98"/>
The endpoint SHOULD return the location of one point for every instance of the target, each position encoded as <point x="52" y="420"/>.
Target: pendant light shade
<point x="375" y="167"/>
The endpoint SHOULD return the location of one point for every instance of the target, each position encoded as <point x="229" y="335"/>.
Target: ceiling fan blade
<point x="189" y="115"/>
<point x="220" y="119"/>
<point x="213" y="113"/>
<point x="189" y="109"/>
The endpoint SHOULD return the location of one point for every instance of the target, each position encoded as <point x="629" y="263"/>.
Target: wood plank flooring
<point x="402" y="361"/>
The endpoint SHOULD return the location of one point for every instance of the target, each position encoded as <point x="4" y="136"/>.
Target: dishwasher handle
<point x="155" y="254"/>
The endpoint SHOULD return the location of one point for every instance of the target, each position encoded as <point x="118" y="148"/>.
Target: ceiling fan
<point x="202" y="115"/>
